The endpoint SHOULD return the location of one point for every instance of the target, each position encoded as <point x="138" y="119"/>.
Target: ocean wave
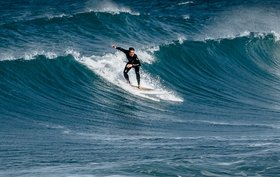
<point x="251" y="59"/>
<point x="181" y="56"/>
<point x="66" y="108"/>
<point x="110" y="67"/>
<point x="241" y="21"/>
<point x="104" y="6"/>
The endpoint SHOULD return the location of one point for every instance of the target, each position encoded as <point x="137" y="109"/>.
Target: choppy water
<point x="65" y="109"/>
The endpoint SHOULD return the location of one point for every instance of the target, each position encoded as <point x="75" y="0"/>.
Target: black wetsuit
<point x="135" y="64"/>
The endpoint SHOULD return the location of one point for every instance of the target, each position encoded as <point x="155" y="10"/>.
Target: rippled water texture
<point x="66" y="110"/>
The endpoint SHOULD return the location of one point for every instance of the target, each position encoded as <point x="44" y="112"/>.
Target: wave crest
<point x="107" y="6"/>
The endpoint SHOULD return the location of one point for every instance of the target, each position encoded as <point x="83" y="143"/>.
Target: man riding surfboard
<point x="133" y="62"/>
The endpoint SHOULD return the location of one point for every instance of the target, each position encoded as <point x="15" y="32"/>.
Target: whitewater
<point x="66" y="109"/>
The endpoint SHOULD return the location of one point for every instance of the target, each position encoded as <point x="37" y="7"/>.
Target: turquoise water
<point x="67" y="111"/>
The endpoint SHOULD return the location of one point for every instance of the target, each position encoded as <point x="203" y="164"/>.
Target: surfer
<point x="133" y="62"/>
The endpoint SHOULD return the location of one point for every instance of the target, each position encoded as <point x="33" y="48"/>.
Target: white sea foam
<point x="184" y="3"/>
<point x="108" y="6"/>
<point x="33" y="54"/>
<point x="27" y="55"/>
<point x="52" y="16"/>
<point x="153" y="49"/>
<point x="276" y="35"/>
<point x="181" y="39"/>
<point x="146" y="56"/>
<point x="110" y="67"/>
<point x="230" y="163"/>
<point x="186" y="17"/>
<point x="6" y="56"/>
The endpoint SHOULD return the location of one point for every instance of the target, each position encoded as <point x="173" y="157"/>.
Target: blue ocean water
<point x="65" y="109"/>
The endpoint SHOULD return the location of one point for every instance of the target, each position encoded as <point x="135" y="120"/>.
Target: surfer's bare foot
<point x="139" y="86"/>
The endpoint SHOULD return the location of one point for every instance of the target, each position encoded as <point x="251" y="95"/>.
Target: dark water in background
<point x="65" y="109"/>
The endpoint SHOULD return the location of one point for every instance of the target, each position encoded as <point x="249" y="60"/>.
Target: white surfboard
<point x="142" y="88"/>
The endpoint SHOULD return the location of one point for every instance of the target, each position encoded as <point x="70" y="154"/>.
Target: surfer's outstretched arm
<point x="121" y="49"/>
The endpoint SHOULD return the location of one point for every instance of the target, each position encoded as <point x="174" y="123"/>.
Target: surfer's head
<point x="131" y="51"/>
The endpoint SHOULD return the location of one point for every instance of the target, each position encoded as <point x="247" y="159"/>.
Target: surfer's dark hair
<point x="131" y="48"/>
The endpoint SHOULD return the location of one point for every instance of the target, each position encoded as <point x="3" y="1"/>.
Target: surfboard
<point x="142" y="88"/>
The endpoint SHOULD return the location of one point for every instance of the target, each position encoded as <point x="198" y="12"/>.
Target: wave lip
<point x="28" y="55"/>
<point x="112" y="8"/>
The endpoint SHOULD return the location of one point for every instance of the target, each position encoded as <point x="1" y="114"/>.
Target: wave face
<point x="67" y="111"/>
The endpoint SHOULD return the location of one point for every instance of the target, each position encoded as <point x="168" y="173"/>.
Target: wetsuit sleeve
<point x="123" y="50"/>
<point x="137" y="62"/>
